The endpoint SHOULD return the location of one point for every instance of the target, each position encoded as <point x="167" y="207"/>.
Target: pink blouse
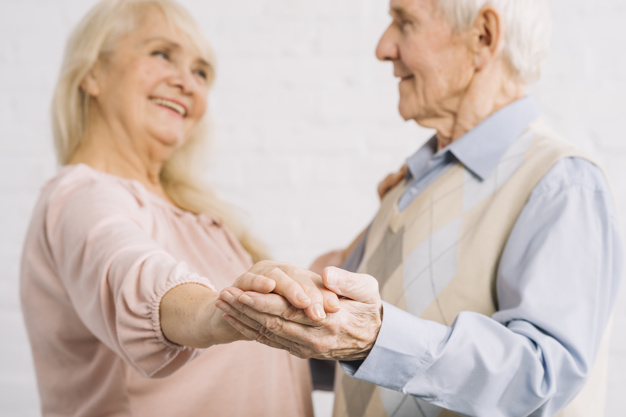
<point x="100" y="253"/>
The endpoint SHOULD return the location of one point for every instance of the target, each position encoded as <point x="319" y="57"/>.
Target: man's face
<point x="434" y="65"/>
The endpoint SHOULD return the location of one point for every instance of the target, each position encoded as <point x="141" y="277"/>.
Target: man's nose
<point x="387" y="50"/>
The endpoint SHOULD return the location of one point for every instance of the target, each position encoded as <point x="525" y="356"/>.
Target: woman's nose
<point x="184" y="80"/>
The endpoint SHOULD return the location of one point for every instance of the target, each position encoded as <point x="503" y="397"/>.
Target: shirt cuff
<point x="401" y="350"/>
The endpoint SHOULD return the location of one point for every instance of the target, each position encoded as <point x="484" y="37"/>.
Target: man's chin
<point x="406" y="113"/>
<point x="420" y="117"/>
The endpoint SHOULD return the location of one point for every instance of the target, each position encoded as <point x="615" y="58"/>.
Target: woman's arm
<point x="189" y="318"/>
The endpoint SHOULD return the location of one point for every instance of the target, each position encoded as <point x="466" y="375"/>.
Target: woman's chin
<point x="171" y="139"/>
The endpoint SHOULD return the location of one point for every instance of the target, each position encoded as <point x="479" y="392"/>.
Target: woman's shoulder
<point x="82" y="186"/>
<point x="77" y="199"/>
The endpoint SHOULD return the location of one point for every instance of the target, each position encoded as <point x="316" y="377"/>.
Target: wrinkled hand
<point x="348" y="334"/>
<point x="300" y="287"/>
<point x="391" y="181"/>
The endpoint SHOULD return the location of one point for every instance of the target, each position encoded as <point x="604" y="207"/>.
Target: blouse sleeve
<point x="115" y="274"/>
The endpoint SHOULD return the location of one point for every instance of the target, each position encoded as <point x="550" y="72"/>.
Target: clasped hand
<point x="333" y="316"/>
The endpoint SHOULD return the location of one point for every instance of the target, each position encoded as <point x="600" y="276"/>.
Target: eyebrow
<point x="174" y="45"/>
<point x="399" y="11"/>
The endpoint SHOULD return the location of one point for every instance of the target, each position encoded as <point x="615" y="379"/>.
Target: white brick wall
<point x="306" y="126"/>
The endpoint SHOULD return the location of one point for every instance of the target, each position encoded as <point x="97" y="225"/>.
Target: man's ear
<point x="91" y="83"/>
<point x="487" y="35"/>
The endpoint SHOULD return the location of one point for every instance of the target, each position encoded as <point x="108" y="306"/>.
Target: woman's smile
<point x="173" y="106"/>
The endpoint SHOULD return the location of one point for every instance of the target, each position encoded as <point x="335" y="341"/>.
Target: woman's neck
<point x="122" y="162"/>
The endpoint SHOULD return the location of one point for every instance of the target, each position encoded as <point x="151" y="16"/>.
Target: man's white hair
<point x="527" y="27"/>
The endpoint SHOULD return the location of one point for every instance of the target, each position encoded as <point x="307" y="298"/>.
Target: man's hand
<point x="348" y="334"/>
<point x="302" y="288"/>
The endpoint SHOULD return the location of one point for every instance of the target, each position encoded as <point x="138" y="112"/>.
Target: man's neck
<point x="481" y="99"/>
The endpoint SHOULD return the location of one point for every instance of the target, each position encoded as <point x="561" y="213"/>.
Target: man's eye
<point x="161" y="54"/>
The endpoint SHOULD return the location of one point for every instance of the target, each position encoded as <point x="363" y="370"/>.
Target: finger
<point x="293" y="283"/>
<point x="274" y="304"/>
<point x="260" y="338"/>
<point x="391" y="181"/>
<point x="251" y="281"/>
<point x="289" y="287"/>
<point x="403" y="171"/>
<point x="260" y="307"/>
<point x="331" y="301"/>
<point x="230" y="293"/>
<point x="264" y="333"/>
<point x="246" y="331"/>
<point x="298" y="339"/>
<point x="358" y="287"/>
<point x="233" y="312"/>
<point x="268" y="323"/>
<point x="383" y="186"/>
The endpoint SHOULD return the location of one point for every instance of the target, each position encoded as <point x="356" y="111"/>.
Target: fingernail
<point x="319" y="311"/>
<point x="246" y="299"/>
<point x="331" y="279"/>
<point x="228" y="297"/>
<point x="302" y="296"/>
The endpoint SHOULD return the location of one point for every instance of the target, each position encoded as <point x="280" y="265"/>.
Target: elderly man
<point x="497" y="258"/>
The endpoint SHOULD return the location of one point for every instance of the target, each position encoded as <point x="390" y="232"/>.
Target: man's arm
<point x="557" y="282"/>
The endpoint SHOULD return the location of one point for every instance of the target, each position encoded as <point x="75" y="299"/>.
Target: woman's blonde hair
<point x="94" y="37"/>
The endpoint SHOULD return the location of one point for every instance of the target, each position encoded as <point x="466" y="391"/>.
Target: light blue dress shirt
<point x="556" y="285"/>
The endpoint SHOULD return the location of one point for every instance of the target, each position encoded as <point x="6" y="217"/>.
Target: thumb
<point x="358" y="287"/>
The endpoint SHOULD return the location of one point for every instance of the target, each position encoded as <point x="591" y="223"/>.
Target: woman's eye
<point x="202" y="74"/>
<point x="161" y="54"/>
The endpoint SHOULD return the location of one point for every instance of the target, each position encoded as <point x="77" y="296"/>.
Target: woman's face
<point x="152" y="89"/>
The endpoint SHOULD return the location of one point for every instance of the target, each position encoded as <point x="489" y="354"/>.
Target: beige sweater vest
<point x="440" y="256"/>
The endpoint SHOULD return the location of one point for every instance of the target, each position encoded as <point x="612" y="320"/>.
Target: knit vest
<point x="440" y="256"/>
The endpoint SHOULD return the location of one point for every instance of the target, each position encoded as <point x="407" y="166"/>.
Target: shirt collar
<point x="480" y="149"/>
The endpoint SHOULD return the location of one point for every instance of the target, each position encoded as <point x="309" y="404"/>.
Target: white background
<point x="306" y="126"/>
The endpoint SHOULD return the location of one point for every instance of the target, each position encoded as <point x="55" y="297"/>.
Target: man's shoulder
<point x="548" y="141"/>
<point x="571" y="165"/>
<point x="573" y="171"/>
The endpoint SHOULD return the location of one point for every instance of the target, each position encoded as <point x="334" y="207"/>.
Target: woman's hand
<point x="189" y="313"/>
<point x="348" y="334"/>
<point x="302" y="288"/>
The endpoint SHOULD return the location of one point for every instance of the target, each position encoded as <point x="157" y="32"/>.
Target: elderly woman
<point x="126" y="250"/>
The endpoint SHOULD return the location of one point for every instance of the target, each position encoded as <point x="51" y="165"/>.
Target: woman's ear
<point x="90" y="84"/>
<point x="487" y="34"/>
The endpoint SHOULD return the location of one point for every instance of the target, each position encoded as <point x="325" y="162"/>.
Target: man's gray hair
<point x="527" y="26"/>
